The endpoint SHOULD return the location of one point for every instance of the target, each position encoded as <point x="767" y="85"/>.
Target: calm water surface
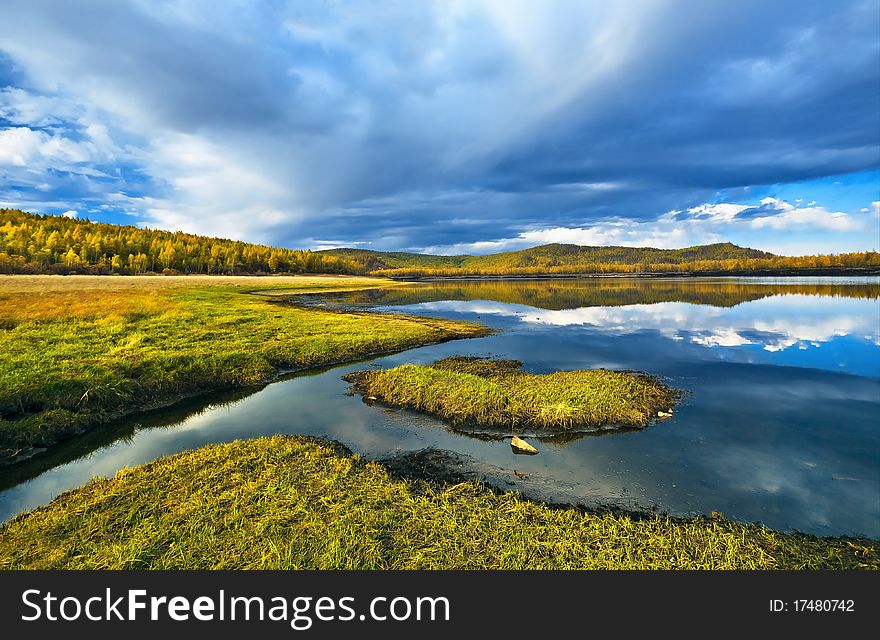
<point x="781" y="423"/>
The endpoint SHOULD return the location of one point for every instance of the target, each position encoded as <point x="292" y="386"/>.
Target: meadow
<point x="79" y="351"/>
<point x="300" y="503"/>
<point x="498" y="393"/>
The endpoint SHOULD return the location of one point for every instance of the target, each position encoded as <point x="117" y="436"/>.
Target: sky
<point x="451" y="126"/>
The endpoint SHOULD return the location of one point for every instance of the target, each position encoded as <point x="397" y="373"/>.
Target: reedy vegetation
<point x="81" y="350"/>
<point x="297" y="503"/>
<point x="498" y="393"/>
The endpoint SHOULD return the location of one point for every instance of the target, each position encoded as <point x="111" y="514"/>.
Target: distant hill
<point x="375" y="260"/>
<point x="549" y="255"/>
<point x="31" y="243"/>
<point x="571" y="259"/>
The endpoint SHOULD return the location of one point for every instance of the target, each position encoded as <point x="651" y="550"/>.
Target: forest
<point x="32" y="243"/>
<point x="573" y="259"/>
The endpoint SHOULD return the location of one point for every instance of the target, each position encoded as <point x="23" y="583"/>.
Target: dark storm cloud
<point x="767" y="94"/>
<point x="433" y="124"/>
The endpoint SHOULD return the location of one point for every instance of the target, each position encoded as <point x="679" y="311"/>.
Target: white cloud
<point x="22" y="107"/>
<point x="610" y="232"/>
<point x="323" y="245"/>
<point x="790" y="217"/>
<point x="70" y="214"/>
<point x="724" y="212"/>
<point x="248" y="205"/>
<point x="25" y="147"/>
<point x="706" y="224"/>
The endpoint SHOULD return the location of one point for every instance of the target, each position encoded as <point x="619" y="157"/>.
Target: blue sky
<point x="450" y="126"/>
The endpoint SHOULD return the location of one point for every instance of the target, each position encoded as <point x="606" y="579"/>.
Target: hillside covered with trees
<point x="31" y="243"/>
<point x="548" y="255"/>
<point x="573" y="259"/>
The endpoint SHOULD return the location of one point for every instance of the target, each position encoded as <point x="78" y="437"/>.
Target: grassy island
<point x="498" y="393"/>
<point x="298" y="503"/>
<point x="79" y="351"/>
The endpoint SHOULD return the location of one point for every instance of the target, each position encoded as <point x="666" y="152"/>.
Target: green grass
<point x="297" y="503"/>
<point x="79" y="350"/>
<point x="498" y="393"/>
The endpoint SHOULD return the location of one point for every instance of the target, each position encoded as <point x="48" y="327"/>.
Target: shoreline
<point x="450" y="467"/>
<point x="668" y="275"/>
<point x="471" y="393"/>
<point x="384" y="515"/>
<point x="402" y="333"/>
<point x="169" y="403"/>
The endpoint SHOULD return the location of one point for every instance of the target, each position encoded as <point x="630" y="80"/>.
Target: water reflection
<point x="774" y="325"/>
<point x="120" y="431"/>
<point x="779" y="425"/>
<point x="553" y="294"/>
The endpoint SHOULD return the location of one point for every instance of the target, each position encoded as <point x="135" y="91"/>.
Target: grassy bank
<point x="498" y="393"/>
<point x="81" y="350"/>
<point x="292" y="502"/>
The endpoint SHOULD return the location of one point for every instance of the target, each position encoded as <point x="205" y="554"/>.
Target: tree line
<point x="31" y="243"/>
<point x="552" y="259"/>
<point x="868" y="260"/>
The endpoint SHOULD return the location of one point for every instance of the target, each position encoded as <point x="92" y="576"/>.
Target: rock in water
<point x="521" y="446"/>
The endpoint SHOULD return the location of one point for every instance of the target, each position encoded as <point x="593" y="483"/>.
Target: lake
<point x="780" y="423"/>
